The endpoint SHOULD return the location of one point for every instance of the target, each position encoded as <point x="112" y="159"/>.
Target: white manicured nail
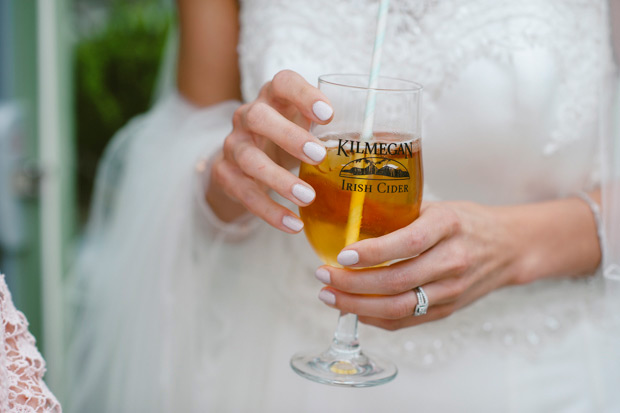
<point x="303" y="193"/>
<point x="327" y="297"/>
<point x="322" y="110"/>
<point x="348" y="257"/>
<point x="323" y="276"/>
<point x="314" y="151"/>
<point x="292" y="223"/>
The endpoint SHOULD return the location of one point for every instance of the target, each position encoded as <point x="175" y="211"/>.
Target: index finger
<point x="309" y="100"/>
<point x="433" y="225"/>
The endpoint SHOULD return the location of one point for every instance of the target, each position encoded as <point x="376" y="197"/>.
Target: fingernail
<point x="327" y="297"/>
<point x="303" y="193"/>
<point x="292" y="223"/>
<point x="348" y="257"/>
<point x="323" y="275"/>
<point x="314" y="151"/>
<point x="322" y="110"/>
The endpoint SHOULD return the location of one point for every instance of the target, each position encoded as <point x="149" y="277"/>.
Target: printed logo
<point x="347" y="148"/>
<point x="374" y="169"/>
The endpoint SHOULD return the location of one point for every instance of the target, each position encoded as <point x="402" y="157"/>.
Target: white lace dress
<point x="22" y="389"/>
<point x="179" y="313"/>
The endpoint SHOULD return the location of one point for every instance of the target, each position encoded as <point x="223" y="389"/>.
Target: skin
<point x="461" y="250"/>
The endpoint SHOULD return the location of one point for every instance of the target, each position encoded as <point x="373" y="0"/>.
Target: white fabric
<point x="610" y="150"/>
<point x="176" y="317"/>
<point x="22" y="389"/>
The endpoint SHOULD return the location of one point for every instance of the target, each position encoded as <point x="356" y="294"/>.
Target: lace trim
<point x="22" y="367"/>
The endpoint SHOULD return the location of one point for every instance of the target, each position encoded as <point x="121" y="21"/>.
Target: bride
<point x="187" y="302"/>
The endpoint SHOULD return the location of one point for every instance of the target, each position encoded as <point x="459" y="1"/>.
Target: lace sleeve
<point x="22" y="388"/>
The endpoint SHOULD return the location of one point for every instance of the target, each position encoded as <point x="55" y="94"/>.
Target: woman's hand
<point x="461" y="251"/>
<point x="270" y="135"/>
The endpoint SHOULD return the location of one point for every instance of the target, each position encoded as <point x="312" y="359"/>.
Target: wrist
<point x="553" y="239"/>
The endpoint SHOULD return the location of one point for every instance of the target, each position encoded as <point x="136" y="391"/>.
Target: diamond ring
<point x="422" y="305"/>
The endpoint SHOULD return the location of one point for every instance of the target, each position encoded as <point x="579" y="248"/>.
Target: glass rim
<point x="413" y="86"/>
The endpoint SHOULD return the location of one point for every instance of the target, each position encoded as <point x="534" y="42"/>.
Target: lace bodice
<point x="512" y="94"/>
<point x="21" y="366"/>
<point x="511" y="87"/>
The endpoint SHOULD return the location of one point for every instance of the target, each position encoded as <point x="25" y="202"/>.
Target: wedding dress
<point x="179" y="312"/>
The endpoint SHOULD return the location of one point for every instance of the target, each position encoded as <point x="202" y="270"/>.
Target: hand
<point x="270" y="135"/>
<point x="460" y="252"/>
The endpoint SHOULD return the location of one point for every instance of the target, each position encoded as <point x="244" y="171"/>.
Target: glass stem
<point x="345" y="337"/>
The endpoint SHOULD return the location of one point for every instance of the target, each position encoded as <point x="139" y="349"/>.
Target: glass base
<point x="352" y="369"/>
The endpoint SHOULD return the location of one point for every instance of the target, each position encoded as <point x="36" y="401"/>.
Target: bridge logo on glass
<point x="374" y="169"/>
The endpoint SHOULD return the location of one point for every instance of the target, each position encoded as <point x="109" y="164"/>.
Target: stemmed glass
<point x="368" y="185"/>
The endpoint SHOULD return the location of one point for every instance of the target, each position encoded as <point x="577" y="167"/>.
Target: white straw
<point x="375" y="68"/>
<point x="354" y="221"/>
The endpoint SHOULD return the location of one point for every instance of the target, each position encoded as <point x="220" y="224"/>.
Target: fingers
<point x="445" y="261"/>
<point x="239" y="186"/>
<point x="393" y="307"/>
<point x="263" y="120"/>
<point x="252" y="157"/>
<point x="258" y="165"/>
<point x="446" y="300"/>
<point x="433" y="314"/>
<point x="434" y="224"/>
<point x="292" y="88"/>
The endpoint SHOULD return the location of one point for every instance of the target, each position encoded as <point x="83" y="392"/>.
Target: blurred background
<point x="72" y="72"/>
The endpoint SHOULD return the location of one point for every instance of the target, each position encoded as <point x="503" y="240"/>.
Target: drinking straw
<point x="354" y="221"/>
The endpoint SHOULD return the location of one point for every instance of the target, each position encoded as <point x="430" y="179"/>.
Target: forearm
<point x="555" y="238"/>
<point x="207" y="66"/>
<point x="208" y="72"/>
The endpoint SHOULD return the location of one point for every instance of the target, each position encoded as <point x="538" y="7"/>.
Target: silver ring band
<point x="422" y="305"/>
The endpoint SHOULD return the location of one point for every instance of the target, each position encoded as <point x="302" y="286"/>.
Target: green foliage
<point x="115" y="72"/>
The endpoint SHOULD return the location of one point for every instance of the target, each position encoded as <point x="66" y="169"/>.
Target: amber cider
<point x="387" y="168"/>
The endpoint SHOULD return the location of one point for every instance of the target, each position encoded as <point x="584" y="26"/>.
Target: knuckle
<point x="454" y="221"/>
<point x="448" y="216"/>
<point x="344" y="283"/>
<point x="415" y="240"/>
<point x="454" y="290"/>
<point x="400" y="308"/>
<point x="372" y="251"/>
<point x="229" y="146"/>
<point x="460" y="261"/>
<point x="389" y="325"/>
<point x="397" y="281"/>
<point x="282" y="80"/>
<point x="250" y="198"/>
<point x="244" y="155"/>
<point x="218" y="172"/>
<point x="264" y="90"/>
<point x="445" y="311"/>
<point x="238" y="115"/>
<point x="255" y="115"/>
